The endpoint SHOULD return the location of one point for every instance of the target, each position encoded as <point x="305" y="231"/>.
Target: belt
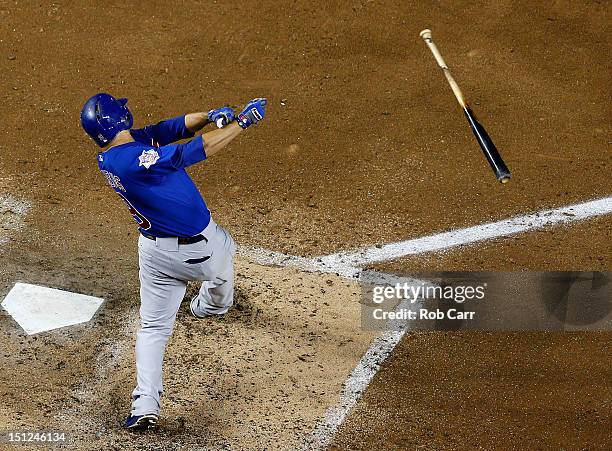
<point x="182" y="240"/>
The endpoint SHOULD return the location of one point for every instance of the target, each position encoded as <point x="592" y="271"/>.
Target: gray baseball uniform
<point x="165" y="269"/>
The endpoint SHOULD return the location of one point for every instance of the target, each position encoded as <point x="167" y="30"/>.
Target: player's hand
<point x="253" y="112"/>
<point x="222" y="116"/>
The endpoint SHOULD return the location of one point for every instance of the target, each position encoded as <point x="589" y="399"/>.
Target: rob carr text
<point x="408" y="314"/>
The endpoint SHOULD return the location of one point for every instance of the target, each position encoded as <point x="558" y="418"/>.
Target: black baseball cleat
<point x="140" y="422"/>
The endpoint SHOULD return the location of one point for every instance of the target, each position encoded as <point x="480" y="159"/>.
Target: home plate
<point x="38" y="309"/>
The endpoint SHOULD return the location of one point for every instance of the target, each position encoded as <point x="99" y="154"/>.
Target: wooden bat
<point x="486" y="143"/>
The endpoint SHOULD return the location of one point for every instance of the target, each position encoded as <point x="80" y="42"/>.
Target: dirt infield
<point x="461" y="391"/>
<point x="363" y="144"/>
<point x="263" y="375"/>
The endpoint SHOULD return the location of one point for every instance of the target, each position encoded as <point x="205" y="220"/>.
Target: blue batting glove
<point x="253" y="112"/>
<point x="222" y="116"/>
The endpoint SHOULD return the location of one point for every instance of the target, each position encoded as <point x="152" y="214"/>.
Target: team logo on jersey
<point x="148" y="158"/>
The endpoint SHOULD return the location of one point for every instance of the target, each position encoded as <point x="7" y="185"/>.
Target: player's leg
<point x="161" y="298"/>
<point x="216" y="294"/>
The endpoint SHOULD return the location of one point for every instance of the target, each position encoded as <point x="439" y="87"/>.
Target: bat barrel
<point x="501" y="171"/>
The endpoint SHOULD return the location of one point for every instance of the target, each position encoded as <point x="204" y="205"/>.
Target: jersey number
<point x="138" y="217"/>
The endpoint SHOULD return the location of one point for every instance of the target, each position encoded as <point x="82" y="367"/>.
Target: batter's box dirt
<point x="12" y="212"/>
<point x="259" y="378"/>
<point x="243" y="309"/>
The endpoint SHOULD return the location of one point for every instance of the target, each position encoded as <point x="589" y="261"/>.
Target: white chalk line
<point x="353" y="388"/>
<point x="347" y="264"/>
<point x="447" y="240"/>
<point x="273" y="258"/>
<point x="366" y="369"/>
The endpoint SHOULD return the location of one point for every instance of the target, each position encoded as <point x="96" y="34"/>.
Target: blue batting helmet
<point x="103" y="116"/>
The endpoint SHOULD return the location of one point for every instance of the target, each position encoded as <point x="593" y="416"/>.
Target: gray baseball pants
<point x="165" y="269"/>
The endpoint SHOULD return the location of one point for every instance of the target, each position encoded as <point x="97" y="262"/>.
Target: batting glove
<point x="253" y="112"/>
<point x="222" y="116"/>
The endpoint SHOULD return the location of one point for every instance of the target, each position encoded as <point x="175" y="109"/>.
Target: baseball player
<point x="179" y="241"/>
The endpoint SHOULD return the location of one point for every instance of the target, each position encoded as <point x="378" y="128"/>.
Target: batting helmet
<point x="103" y="116"/>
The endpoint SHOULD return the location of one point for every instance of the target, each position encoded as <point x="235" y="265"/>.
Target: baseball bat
<point x="484" y="140"/>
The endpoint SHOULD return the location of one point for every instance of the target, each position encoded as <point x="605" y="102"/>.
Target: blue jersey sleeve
<point x="157" y="162"/>
<point x="163" y="133"/>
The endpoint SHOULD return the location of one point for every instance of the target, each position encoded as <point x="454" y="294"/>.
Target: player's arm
<point x="221" y="116"/>
<point x="163" y="133"/>
<point x="195" y="122"/>
<point x="216" y="140"/>
<point x="182" y="127"/>
<point x="172" y="157"/>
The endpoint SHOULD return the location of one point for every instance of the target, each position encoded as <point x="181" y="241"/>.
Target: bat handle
<point x="455" y="87"/>
<point x="426" y="35"/>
